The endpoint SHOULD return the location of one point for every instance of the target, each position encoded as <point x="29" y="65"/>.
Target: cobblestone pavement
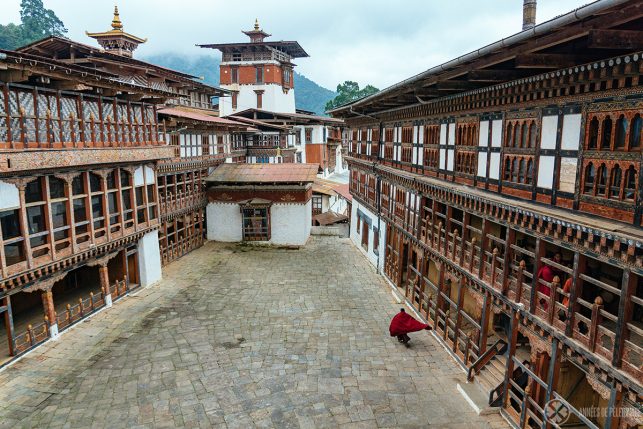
<point x="241" y="337"/>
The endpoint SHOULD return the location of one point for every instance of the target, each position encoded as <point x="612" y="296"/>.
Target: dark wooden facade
<point x="512" y="213"/>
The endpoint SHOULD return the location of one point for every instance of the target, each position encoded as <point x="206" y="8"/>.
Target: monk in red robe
<point x="402" y="324"/>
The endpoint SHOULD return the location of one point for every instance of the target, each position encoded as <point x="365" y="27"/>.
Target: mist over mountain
<point x="308" y="95"/>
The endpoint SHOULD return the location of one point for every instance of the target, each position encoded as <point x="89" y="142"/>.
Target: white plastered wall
<point x="356" y="236"/>
<point x="224" y="222"/>
<point x="9" y="196"/>
<point x="290" y="224"/>
<point x="273" y="99"/>
<point x="149" y="259"/>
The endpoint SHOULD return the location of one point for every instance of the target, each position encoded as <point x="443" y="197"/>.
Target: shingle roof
<point x="264" y="173"/>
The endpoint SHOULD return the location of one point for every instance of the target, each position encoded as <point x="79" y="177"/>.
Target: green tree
<point x="36" y="23"/>
<point x="348" y="92"/>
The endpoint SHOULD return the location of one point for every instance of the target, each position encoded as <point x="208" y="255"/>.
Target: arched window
<point x="601" y="181"/>
<point x="590" y="178"/>
<point x="514" y="170"/>
<point x="530" y="172"/>
<point x="593" y="134"/>
<point x="532" y="134"/>
<point x="606" y="138"/>
<point x="510" y="135"/>
<point x="629" y="193"/>
<point x="635" y="132"/>
<point x="615" y="182"/>
<point x="621" y="130"/>
<point x="508" y="169"/>
<point x="525" y="135"/>
<point x="523" y="170"/>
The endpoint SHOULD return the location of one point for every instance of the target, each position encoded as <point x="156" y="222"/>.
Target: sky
<point x="378" y="42"/>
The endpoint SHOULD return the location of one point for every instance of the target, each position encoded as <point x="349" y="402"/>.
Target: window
<point x="630" y="184"/>
<point x="602" y="181"/>
<point x="259" y="74"/>
<point x="593" y="134"/>
<point x="365" y="236"/>
<point x="607" y="133"/>
<point x="256" y="224"/>
<point x="287" y="73"/>
<point x="317" y="204"/>
<point x="615" y="185"/>
<point x="13" y="241"/>
<point x="621" y="130"/>
<point x="590" y="178"/>
<point x="259" y="99"/>
<point x="358" y="225"/>
<point x="635" y="132"/>
<point x="234" y="74"/>
<point x="309" y="135"/>
<point x="234" y="100"/>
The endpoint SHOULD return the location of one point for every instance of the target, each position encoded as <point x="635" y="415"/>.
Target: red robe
<point x="402" y="324"/>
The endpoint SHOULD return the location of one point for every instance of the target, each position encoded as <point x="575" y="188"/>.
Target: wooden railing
<point x="34" y="335"/>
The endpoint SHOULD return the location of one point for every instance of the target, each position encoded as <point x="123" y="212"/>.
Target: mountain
<point x="308" y="95"/>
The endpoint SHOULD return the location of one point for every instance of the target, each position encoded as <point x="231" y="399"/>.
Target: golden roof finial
<point x="256" y="24"/>
<point x="116" y="22"/>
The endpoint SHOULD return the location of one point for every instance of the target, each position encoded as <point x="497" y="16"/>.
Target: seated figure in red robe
<point x="402" y="324"/>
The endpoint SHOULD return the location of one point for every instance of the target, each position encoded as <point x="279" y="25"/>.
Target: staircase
<point x="493" y="373"/>
<point x="485" y="379"/>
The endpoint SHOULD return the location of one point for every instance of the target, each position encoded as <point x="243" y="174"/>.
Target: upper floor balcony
<point x="46" y="128"/>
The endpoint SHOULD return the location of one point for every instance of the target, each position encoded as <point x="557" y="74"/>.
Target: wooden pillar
<point x="628" y="288"/>
<point x="513" y="339"/>
<point x="539" y="252"/>
<point x="104" y="283"/>
<point x="552" y="375"/>
<point x="8" y="323"/>
<point x="510" y="237"/>
<point x="484" y="323"/>
<point x="579" y="267"/>
<point x="50" y="311"/>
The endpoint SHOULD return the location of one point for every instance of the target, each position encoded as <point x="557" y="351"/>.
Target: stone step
<point x="476" y="398"/>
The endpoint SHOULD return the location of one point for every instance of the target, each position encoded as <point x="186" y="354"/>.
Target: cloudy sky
<point x="370" y="41"/>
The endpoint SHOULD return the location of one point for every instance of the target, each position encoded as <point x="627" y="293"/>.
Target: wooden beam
<point x="616" y="39"/>
<point x="459" y="85"/>
<point x="493" y="75"/>
<point x="14" y="75"/>
<point x="548" y="61"/>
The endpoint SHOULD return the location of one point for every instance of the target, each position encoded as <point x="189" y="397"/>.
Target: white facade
<point x="273" y="99"/>
<point x="370" y="219"/>
<point x="228" y="231"/>
<point x="9" y="196"/>
<point x="149" y="259"/>
<point x="290" y="224"/>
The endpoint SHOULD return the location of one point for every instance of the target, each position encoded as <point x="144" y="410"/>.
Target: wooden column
<point x="628" y="288"/>
<point x="8" y="323"/>
<point x="69" y="178"/>
<point x="510" y="237"/>
<point x="484" y="323"/>
<point x="48" y="305"/>
<point x="515" y="322"/>
<point x="103" y="273"/>
<point x="539" y="252"/>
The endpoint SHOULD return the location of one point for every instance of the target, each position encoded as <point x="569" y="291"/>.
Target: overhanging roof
<point x="263" y="174"/>
<point x="291" y="47"/>
<point x="599" y="30"/>
<point x="289" y="118"/>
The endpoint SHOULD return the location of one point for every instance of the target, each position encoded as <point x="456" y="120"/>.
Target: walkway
<point x="240" y="337"/>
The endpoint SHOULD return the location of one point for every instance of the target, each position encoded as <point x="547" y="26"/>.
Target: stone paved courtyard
<point x="241" y="337"/>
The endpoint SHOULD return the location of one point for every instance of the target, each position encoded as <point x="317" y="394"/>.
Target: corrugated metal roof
<point x="329" y="218"/>
<point x="171" y="111"/>
<point x="264" y="173"/>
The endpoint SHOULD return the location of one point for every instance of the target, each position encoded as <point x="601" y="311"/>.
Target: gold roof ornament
<point x="257" y="24"/>
<point x="116" y="22"/>
<point x="116" y="40"/>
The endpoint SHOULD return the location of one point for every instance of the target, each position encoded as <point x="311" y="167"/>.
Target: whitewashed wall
<point x="9" y="196"/>
<point x="356" y="236"/>
<point x="224" y="222"/>
<point x="273" y="99"/>
<point x="149" y="259"/>
<point x="290" y="223"/>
